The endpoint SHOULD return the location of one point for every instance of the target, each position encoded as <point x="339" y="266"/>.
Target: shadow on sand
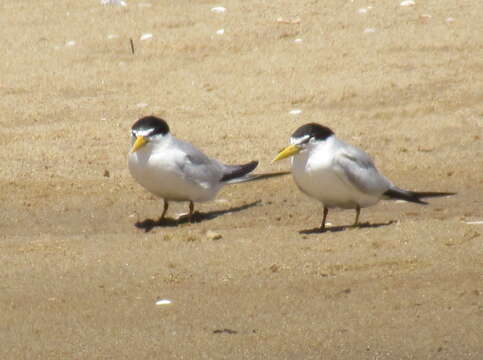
<point x="342" y="228"/>
<point x="149" y="224"/>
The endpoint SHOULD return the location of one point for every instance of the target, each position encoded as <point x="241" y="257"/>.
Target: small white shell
<point x="146" y="36"/>
<point x="114" y="2"/>
<point x="163" y="302"/>
<point x="295" y="112"/>
<point x="288" y="21"/>
<point x="218" y="9"/>
<point x="220" y="32"/>
<point x="70" y="43"/>
<point x="479" y="222"/>
<point x="407" y="3"/>
<point x="179" y="216"/>
<point x="298" y="40"/>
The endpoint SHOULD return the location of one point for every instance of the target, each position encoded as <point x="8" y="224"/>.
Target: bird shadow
<point x="365" y="225"/>
<point x="149" y="224"/>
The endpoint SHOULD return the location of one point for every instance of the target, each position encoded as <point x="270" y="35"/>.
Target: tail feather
<point x="237" y="171"/>
<point x="413" y="196"/>
<point x="430" y="194"/>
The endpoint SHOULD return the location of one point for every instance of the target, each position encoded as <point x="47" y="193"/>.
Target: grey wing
<point x="357" y="169"/>
<point x="197" y="167"/>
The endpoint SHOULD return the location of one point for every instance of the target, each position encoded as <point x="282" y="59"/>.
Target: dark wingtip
<point x="414" y="196"/>
<point x="239" y="171"/>
<point x="399" y="194"/>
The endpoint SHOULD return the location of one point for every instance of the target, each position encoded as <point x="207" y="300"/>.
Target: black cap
<point x="153" y="123"/>
<point x="313" y="130"/>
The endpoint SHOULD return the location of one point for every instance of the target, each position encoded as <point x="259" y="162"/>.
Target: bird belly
<point x="166" y="181"/>
<point x="322" y="183"/>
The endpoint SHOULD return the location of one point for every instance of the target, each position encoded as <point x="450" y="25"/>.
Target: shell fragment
<point x="407" y="3"/>
<point x="218" y="9"/>
<point x="146" y="36"/>
<point x="163" y="302"/>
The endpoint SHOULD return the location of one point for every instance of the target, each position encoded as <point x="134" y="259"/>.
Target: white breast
<point x="314" y="174"/>
<point x="160" y="174"/>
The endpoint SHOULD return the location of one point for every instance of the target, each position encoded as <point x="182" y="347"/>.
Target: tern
<point x="340" y="175"/>
<point x="175" y="170"/>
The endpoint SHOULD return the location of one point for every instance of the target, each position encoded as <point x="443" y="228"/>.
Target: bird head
<point x="303" y="138"/>
<point x="147" y="129"/>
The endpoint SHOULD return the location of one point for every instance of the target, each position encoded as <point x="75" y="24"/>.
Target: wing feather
<point x="198" y="168"/>
<point x="357" y="169"/>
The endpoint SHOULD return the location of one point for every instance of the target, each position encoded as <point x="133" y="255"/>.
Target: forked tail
<point x="413" y="196"/>
<point x="236" y="173"/>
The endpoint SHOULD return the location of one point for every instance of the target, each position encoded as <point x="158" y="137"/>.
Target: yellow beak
<point x="290" y="150"/>
<point x="139" y="143"/>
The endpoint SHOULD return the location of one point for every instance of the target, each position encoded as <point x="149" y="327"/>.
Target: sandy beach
<point x="83" y="274"/>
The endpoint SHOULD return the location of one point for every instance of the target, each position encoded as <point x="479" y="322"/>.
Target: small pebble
<point x="295" y="112"/>
<point x="220" y="32"/>
<point x="211" y="235"/>
<point x="70" y="43"/>
<point x="298" y="40"/>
